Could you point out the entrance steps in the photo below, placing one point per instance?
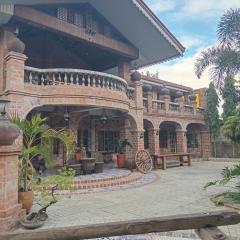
(109, 178)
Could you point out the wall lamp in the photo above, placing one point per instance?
(157, 133)
(141, 135)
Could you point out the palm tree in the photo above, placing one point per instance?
(225, 57)
(37, 140)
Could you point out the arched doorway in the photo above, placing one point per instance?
(149, 137)
(168, 137)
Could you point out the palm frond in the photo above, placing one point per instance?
(229, 29)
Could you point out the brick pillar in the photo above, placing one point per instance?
(10, 210)
(206, 145)
(138, 95)
(181, 141)
(124, 69)
(14, 68)
(149, 101)
(154, 141)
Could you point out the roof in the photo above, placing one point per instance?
(154, 41)
(156, 81)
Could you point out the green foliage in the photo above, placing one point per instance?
(228, 173)
(37, 140)
(231, 127)
(45, 186)
(230, 98)
(224, 58)
(121, 146)
(212, 116)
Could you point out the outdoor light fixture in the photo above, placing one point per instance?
(141, 135)
(66, 115)
(157, 133)
(3, 102)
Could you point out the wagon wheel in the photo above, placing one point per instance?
(143, 161)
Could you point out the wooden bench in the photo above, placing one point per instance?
(164, 157)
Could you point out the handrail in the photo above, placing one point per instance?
(200, 221)
(55, 76)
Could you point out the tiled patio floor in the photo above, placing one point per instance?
(177, 191)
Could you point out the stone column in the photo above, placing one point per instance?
(14, 68)
(138, 95)
(154, 141)
(181, 140)
(206, 145)
(10, 210)
(149, 101)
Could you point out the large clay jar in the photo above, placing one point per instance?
(13, 43)
(136, 76)
(26, 199)
(9, 132)
(120, 160)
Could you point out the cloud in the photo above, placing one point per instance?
(162, 6)
(193, 9)
(181, 72)
(191, 41)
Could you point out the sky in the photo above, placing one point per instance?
(194, 24)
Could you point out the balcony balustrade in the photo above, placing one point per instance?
(77, 77)
(175, 107)
(188, 108)
(158, 105)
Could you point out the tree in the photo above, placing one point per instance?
(230, 98)
(225, 57)
(212, 115)
(231, 128)
(37, 140)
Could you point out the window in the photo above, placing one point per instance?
(146, 139)
(107, 140)
(192, 140)
(163, 138)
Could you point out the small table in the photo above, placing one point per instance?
(164, 159)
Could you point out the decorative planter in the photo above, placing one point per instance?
(78, 155)
(34, 220)
(26, 199)
(9, 132)
(147, 87)
(165, 91)
(192, 98)
(120, 160)
(136, 76)
(88, 165)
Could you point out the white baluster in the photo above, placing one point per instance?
(77, 79)
(54, 78)
(94, 81)
(71, 79)
(30, 77)
(88, 80)
(65, 78)
(42, 80)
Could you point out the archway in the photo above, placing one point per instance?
(168, 137)
(149, 136)
(198, 141)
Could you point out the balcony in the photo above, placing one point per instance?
(86, 87)
(167, 108)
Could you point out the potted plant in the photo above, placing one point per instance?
(120, 148)
(37, 141)
(45, 197)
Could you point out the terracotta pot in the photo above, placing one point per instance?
(78, 156)
(120, 160)
(26, 199)
(9, 132)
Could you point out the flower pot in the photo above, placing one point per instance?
(120, 160)
(78, 156)
(26, 199)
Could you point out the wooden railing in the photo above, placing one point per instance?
(78, 77)
(188, 108)
(205, 225)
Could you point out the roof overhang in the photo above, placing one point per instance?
(154, 41)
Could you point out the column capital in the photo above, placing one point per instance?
(15, 55)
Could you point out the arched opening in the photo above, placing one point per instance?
(96, 130)
(148, 136)
(194, 139)
(168, 137)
